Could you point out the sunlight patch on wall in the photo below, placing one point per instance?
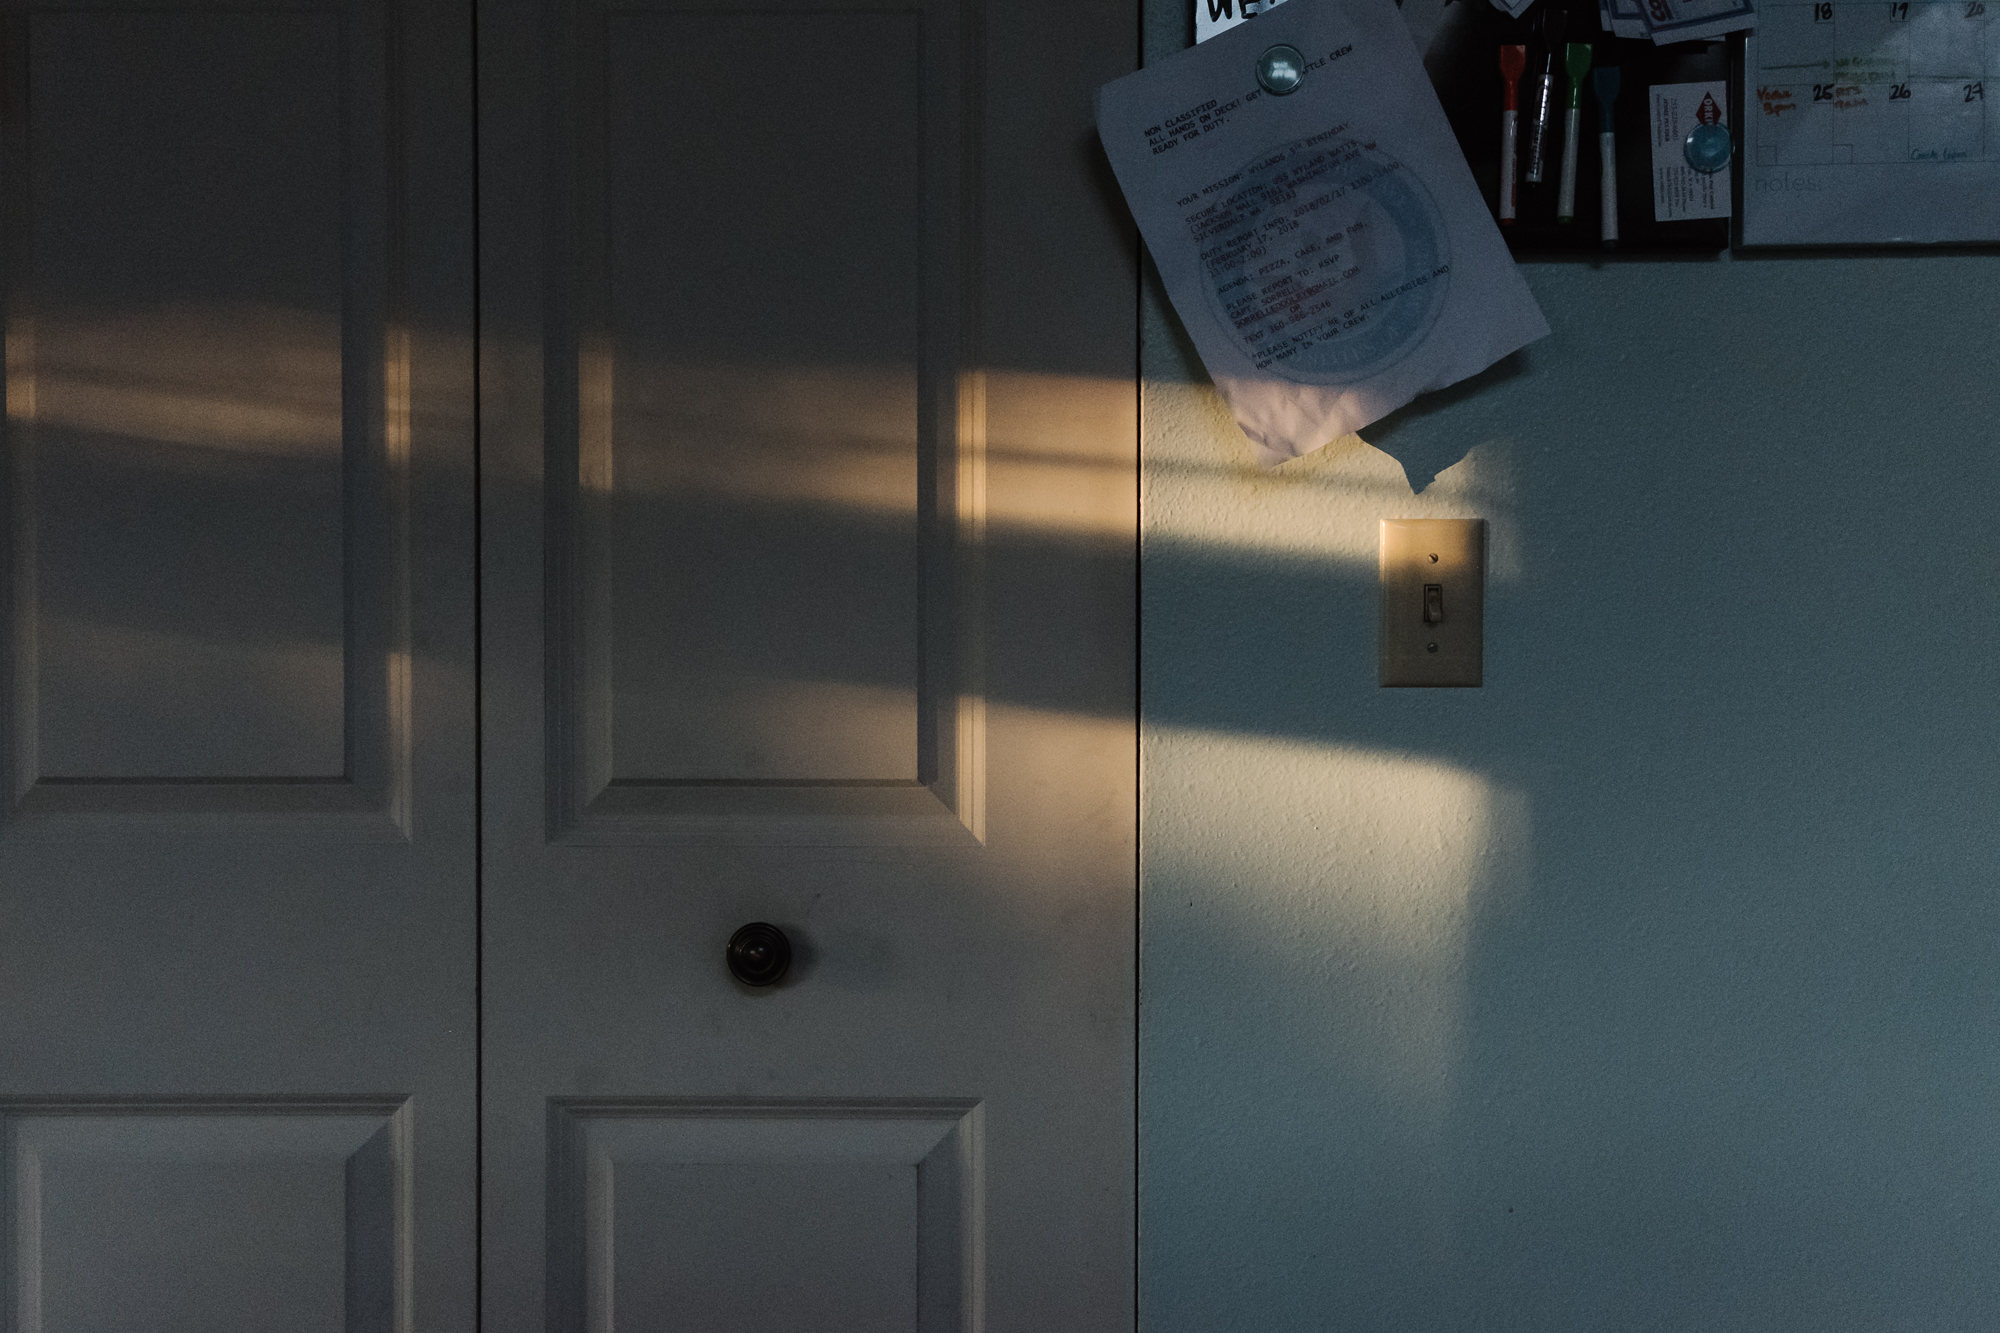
(1323, 507)
(1336, 889)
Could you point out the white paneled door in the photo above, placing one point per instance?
(238, 1014)
(444, 605)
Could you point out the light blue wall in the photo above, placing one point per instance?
(1656, 985)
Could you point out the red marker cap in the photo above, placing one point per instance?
(1513, 62)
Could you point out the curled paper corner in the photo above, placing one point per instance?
(1284, 443)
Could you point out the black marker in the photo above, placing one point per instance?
(1542, 89)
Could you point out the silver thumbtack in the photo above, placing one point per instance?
(1281, 70)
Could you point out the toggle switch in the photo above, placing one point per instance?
(1422, 644)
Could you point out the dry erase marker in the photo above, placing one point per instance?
(1513, 60)
(1577, 64)
(1542, 89)
(1604, 82)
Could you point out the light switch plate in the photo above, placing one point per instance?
(1433, 601)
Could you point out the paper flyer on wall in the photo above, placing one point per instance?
(1325, 247)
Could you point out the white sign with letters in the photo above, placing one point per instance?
(1213, 16)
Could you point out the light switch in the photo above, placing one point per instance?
(1433, 601)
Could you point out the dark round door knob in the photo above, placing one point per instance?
(759, 954)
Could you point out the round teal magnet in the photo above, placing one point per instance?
(1707, 148)
(1281, 70)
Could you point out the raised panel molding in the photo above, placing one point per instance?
(188, 1215)
(180, 643)
(848, 787)
(679, 1215)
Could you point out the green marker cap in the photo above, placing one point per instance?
(1576, 59)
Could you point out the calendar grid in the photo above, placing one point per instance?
(1876, 81)
(1883, 112)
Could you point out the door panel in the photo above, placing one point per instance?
(187, 1217)
(694, 1216)
(237, 848)
(808, 464)
(228, 596)
(201, 465)
(800, 666)
(757, 315)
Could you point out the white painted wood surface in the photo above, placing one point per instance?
(237, 855)
(809, 563)
(806, 485)
(808, 475)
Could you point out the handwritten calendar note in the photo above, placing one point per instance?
(1871, 121)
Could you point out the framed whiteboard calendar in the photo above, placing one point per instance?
(1871, 122)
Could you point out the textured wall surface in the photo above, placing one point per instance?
(1655, 985)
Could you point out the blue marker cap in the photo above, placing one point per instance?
(1604, 82)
